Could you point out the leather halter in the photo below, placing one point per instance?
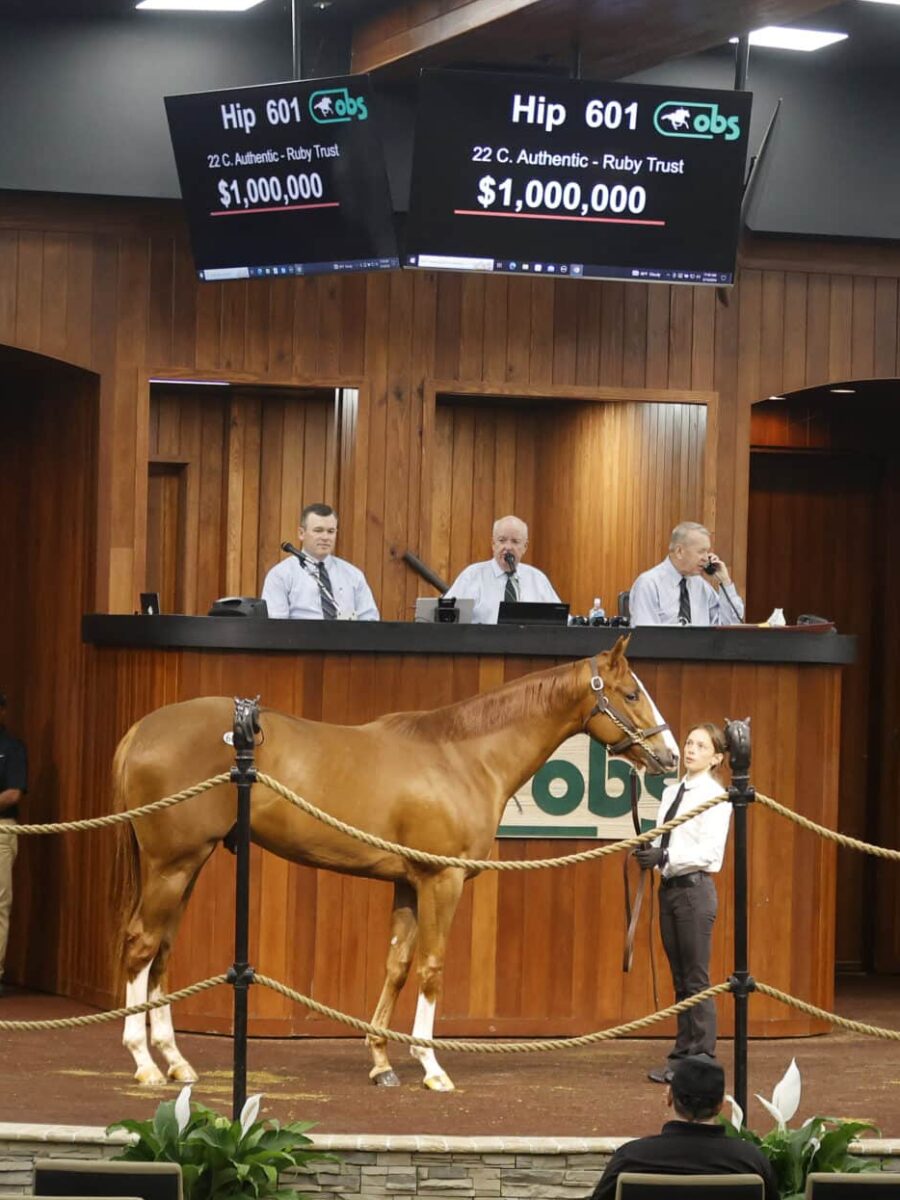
(633, 735)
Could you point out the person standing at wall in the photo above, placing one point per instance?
(688, 858)
(13, 785)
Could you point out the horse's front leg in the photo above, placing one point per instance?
(438, 898)
(400, 953)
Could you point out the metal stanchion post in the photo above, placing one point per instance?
(246, 726)
(737, 736)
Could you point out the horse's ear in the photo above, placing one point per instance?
(618, 651)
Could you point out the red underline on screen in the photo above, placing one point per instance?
(477, 212)
(244, 212)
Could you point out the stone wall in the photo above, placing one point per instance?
(389, 1168)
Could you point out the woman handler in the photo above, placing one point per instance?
(687, 858)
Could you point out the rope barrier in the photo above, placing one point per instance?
(892, 1035)
(115, 1014)
(849, 843)
(481, 864)
(531, 1047)
(444, 860)
(117, 818)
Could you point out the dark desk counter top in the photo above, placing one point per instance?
(242, 634)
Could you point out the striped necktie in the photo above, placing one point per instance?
(684, 603)
(326, 593)
(509, 593)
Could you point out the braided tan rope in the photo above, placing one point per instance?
(892, 1035)
(117, 818)
(545, 1044)
(830, 835)
(115, 1014)
(482, 864)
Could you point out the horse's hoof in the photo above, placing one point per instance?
(439, 1083)
(182, 1072)
(150, 1076)
(386, 1078)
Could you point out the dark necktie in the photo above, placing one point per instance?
(509, 593)
(673, 812)
(684, 603)
(326, 595)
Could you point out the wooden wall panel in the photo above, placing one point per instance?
(547, 944)
(230, 470)
(599, 484)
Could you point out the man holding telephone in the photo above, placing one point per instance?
(691, 586)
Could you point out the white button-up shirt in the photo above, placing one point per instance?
(485, 583)
(656, 594)
(697, 845)
(292, 590)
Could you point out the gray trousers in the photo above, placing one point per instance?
(686, 919)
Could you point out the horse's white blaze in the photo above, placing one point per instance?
(668, 736)
(423, 1027)
(162, 1031)
(134, 1037)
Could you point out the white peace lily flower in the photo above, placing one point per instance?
(250, 1112)
(183, 1108)
(737, 1113)
(785, 1098)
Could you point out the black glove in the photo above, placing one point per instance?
(649, 856)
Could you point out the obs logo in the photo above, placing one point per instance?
(333, 105)
(692, 119)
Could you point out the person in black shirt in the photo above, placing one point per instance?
(695, 1143)
(13, 784)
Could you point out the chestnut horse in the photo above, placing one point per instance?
(437, 781)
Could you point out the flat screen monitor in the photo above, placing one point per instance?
(575, 178)
(283, 179)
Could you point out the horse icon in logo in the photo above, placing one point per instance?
(324, 106)
(679, 119)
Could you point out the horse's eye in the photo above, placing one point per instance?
(631, 697)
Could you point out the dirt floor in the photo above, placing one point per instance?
(84, 1078)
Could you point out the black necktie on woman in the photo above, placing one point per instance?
(672, 812)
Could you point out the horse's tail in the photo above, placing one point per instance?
(126, 875)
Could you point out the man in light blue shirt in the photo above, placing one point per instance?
(503, 577)
(314, 585)
(682, 590)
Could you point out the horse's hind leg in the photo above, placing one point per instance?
(400, 953)
(438, 898)
(148, 940)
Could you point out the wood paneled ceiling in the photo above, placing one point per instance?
(613, 37)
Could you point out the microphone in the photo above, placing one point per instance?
(290, 548)
(510, 559)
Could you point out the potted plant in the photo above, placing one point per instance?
(222, 1159)
(819, 1144)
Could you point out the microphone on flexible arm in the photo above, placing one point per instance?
(510, 559)
(305, 561)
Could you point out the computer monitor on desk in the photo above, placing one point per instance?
(527, 612)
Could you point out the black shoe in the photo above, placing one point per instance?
(660, 1075)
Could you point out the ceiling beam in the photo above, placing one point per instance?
(614, 37)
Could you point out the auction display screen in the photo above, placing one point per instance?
(576, 178)
(283, 179)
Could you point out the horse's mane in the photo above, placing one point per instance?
(529, 696)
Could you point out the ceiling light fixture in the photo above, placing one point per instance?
(198, 5)
(767, 397)
(842, 391)
(779, 37)
(895, 2)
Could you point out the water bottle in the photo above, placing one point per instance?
(596, 611)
